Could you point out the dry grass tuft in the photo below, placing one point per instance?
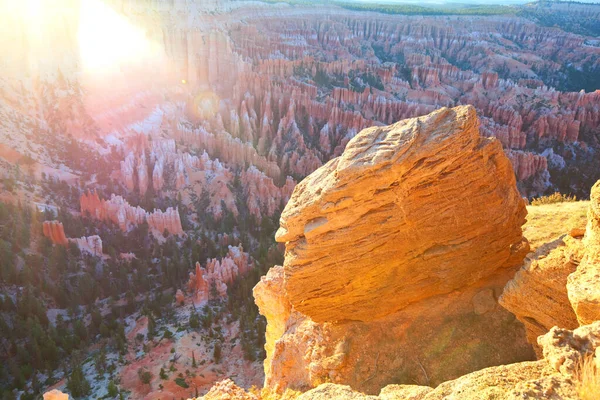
(588, 379)
(553, 199)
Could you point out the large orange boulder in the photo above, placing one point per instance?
(396, 253)
(559, 285)
(409, 211)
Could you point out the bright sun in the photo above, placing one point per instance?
(108, 41)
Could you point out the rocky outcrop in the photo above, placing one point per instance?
(554, 376)
(558, 285)
(55, 395)
(227, 390)
(89, 244)
(400, 194)
(537, 294)
(557, 375)
(119, 211)
(55, 231)
(582, 285)
(218, 274)
(269, 295)
(421, 218)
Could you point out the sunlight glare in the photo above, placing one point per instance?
(108, 41)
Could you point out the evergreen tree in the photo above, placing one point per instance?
(77, 384)
(112, 389)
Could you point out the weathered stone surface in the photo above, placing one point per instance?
(564, 349)
(420, 208)
(559, 285)
(227, 390)
(537, 294)
(583, 285)
(328, 391)
(269, 296)
(55, 395)
(592, 235)
(527, 380)
(394, 237)
(552, 377)
(429, 342)
(404, 392)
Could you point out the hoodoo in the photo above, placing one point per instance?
(390, 250)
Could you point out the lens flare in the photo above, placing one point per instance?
(205, 105)
(109, 42)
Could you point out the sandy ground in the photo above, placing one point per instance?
(548, 222)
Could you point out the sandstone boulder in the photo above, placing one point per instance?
(583, 285)
(396, 254)
(409, 211)
(559, 285)
(537, 294)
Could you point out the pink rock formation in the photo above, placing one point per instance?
(526, 164)
(89, 244)
(119, 211)
(55, 231)
(198, 285)
(219, 273)
(262, 196)
(179, 297)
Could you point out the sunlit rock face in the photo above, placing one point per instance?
(55, 395)
(394, 251)
(559, 286)
(428, 189)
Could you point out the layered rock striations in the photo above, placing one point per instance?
(427, 189)
(397, 250)
(582, 284)
(558, 286)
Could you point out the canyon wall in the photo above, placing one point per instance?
(396, 249)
